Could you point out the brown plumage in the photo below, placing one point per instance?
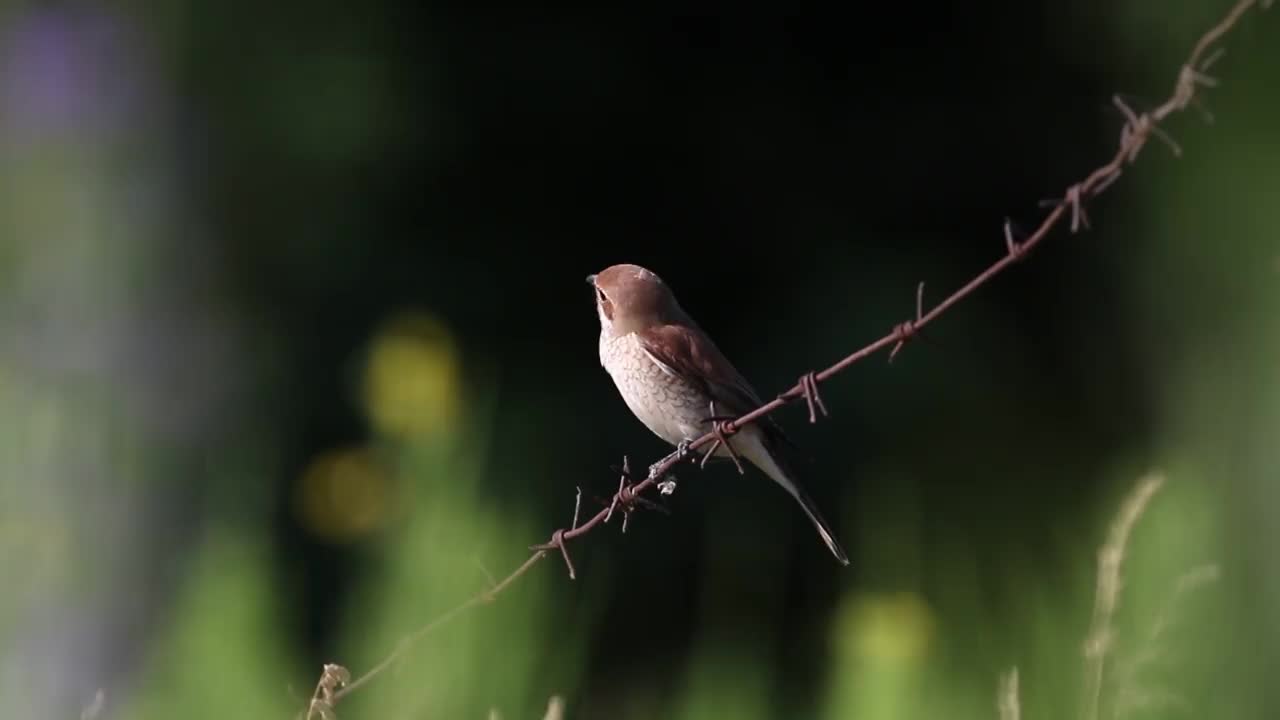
(668, 371)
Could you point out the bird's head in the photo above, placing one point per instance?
(629, 297)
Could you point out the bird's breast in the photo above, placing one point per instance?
(670, 406)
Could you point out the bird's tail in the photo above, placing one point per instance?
(772, 464)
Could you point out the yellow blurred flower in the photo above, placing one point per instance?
(343, 494)
(893, 628)
(412, 378)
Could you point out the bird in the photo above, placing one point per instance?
(677, 382)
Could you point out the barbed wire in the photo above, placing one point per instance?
(335, 683)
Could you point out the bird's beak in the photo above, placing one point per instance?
(591, 279)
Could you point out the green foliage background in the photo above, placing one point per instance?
(139, 526)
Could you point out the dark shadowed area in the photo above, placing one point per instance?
(297, 355)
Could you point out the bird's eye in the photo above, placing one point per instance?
(605, 306)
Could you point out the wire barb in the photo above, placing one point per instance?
(326, 695)
(1073, 198)
(626, 499)
(623, 489)
(1214, 57)
(1079, 218)
(722, 430)
(488, 576)
(904, 331)
(809, 391)
(1015, 248)
(622, 486)
(1203, 108)
(722, 427)
(557, 541)
(577, 504)
(1136, 129)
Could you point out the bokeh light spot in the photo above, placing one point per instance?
(892, 628)
(343, 494)
(412, 387)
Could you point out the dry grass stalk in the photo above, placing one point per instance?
(1107, 592)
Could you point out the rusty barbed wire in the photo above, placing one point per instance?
(1137, 130)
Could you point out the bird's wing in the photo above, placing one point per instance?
(687, 353)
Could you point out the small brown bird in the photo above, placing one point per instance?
(675, 380)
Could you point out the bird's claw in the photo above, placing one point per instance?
(682, 449)
(668, 486)
(656, 469)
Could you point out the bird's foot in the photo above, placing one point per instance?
(682, 449)
(656, 468)
(668, 486)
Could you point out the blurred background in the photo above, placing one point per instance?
(297, 355)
